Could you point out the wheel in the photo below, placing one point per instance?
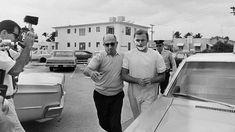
(51, 68)
(42, 60)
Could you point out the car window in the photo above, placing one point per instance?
(211, 80)
(81, 53)
(63, 54)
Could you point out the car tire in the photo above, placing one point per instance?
(51, 68)
(42, 60)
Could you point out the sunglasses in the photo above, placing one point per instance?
(158, 45)
(107, 44)
(16, 35)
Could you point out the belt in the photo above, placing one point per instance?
(9, 96)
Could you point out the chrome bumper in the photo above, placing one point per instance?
(54, 111)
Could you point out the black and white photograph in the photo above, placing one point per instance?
(117, 66)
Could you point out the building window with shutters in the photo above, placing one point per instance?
(109, 30)
(89, 44)
(97, 44)
(68, 44)
(82, 31)
(68, 31)
(97, 29)
(129, 46)
(128, 30)
(89, 29)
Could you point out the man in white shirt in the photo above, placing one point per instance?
(143, 68)
(10, 30)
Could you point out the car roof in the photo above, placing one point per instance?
(211, 57)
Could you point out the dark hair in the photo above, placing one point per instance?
(140, 32)
(9, 26)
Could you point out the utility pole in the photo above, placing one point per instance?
(233, 8)
(151, 31)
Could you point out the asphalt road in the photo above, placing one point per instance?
(79, 114)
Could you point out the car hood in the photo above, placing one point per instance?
(180, 115)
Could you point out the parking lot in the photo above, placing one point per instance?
(79, 114)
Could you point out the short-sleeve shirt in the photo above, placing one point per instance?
(143, 65)
(168, 58)
(6, 63)
(110, 82)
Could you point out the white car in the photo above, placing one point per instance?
(40, 96)
(199, 98)
(62, 59)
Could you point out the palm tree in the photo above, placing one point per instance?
(198, 35)
(177, 34)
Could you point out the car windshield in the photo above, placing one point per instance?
(210, 80)
(63, 54)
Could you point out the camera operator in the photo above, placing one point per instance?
(10, 30)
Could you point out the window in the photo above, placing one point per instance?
(180, 47)
(97, 29)
(128, 30)
(97, 44)
(109, 30)
(82, 46)
(68, 44)
(68, 31)
(75, 30)
(75, 44)
(197, 48)
(56, 33)
(129, 46)
(89, 44)
(89, 29)
(82, 31)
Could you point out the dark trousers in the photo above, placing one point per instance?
(164, 84)
(109, 111)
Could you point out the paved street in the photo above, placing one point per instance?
(79, 114)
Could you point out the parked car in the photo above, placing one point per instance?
(40, 55)
(179, 56)
(62, 59)
(93, 54)
(199, 98)
(40, 96)
(82, 56)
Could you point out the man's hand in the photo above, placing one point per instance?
(29, 39)
(95, 76)
(141, 82)
(147, 81)
(4, 107)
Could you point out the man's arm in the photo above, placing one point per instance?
(173, 63)
(95, 75)
(126, 77)
(157, 79)
(23, 59)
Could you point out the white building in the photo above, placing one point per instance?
(90, 36)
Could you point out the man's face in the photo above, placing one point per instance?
(141, 42)
(11, 36)
(110, 44)
(159, 47)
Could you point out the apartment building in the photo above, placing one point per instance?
(89, 36)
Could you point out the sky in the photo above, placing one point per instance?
(208, 17)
